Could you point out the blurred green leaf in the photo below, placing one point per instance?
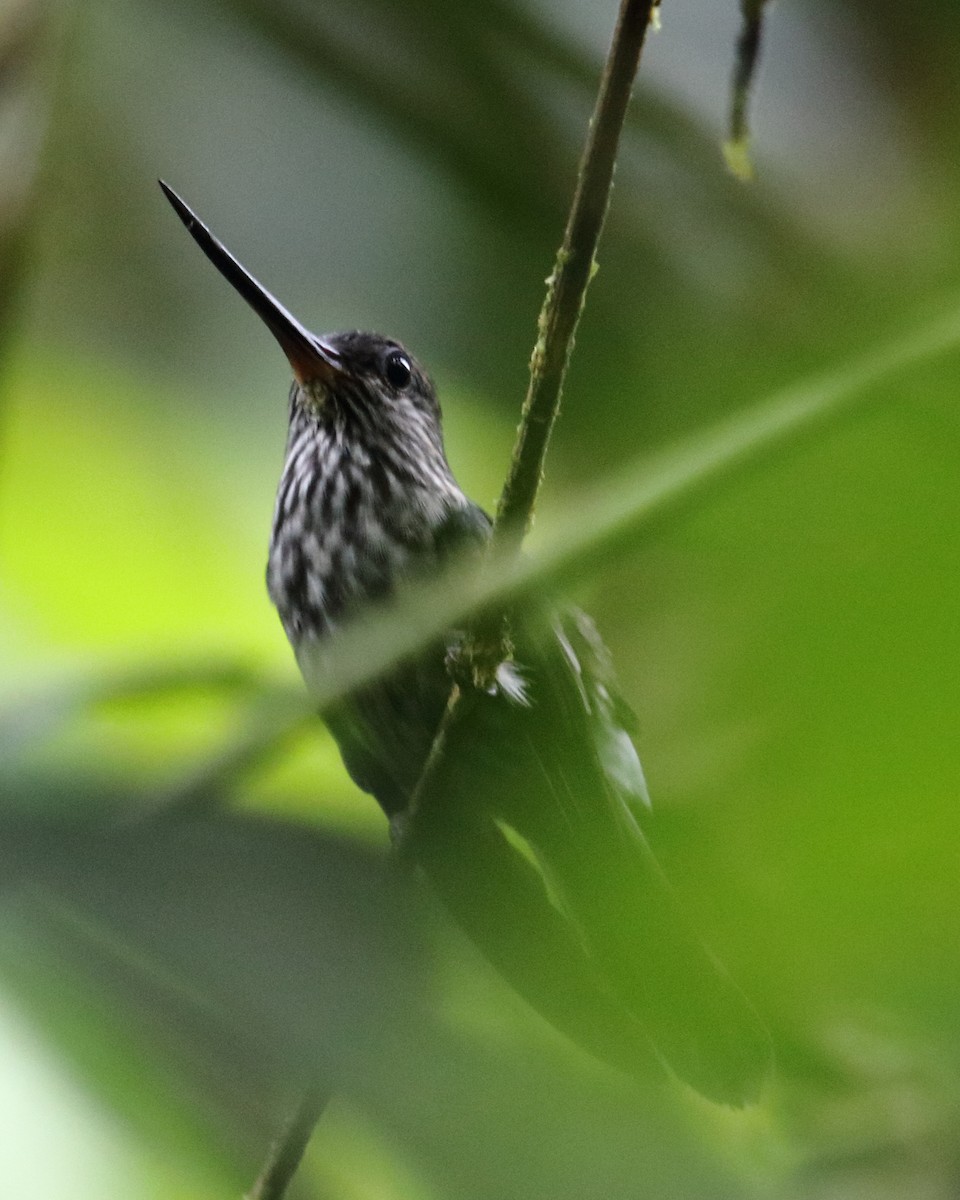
(142, 885)
(180, 925)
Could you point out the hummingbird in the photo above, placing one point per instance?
(537, 847)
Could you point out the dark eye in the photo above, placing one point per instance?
(397, 369)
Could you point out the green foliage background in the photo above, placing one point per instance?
(790, 639)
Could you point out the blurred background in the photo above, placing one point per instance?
(790, 641)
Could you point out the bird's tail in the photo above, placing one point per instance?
(633, 927)
(575, 911)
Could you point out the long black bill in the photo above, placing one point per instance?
(310, 358)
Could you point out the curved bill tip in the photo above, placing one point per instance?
(310, 357)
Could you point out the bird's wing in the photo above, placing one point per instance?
(464, 526)
(610, 720)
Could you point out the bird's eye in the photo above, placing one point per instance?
(397, 369)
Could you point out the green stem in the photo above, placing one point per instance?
(288, 1149)
(572, 273)
(746, 61)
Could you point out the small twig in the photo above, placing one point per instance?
(572, 273)
(737, 147)
(288, 1149)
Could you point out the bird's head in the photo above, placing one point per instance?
(363, 383)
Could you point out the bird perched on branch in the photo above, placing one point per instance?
(531, 831)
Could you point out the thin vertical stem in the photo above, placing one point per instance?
(572, 273)
(289, 1147)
